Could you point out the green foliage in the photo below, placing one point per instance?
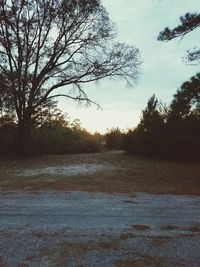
(50, 44)
(152, 119)
(55, 134)
(182, 127)
(115, 139)
(171, 132)
(188, 23)
(60, 136)
(7, 134)
(147, 136)
(186, 102)
(7, 139)
(184, 119)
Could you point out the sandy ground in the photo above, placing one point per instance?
(84, 229)
(98, 210)
(104, 172)
(69, 170)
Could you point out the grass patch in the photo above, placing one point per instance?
(126, 175)
(140, 261)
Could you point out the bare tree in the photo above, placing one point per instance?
(50, 44)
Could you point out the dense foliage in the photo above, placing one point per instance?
(115, 139)
(170, 132)
(54, 134)
(49, 45)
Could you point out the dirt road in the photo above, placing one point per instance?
(68, 229)
(111, 210)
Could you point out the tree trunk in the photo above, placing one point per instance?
(23, 135)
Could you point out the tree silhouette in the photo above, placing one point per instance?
(147, 137)
(170, 131)
(186, 102)
(188, 23)
(50, 44)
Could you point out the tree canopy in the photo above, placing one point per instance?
(46, 45)
(188, 23)
(186, 102)
(170, 131)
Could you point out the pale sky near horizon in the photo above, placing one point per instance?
(162, 72)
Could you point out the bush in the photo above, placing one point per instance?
(53, 136)
(115, 139)
(167, 133)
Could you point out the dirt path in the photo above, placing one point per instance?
(86, 229)
(99, 210)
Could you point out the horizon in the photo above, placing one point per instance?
(139, 24)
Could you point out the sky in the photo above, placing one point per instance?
(162, 71)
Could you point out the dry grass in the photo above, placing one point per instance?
(2, 263)
(140, 227)
(77, 251)
(158, 241)
(127, 175)
(140, 261)
(126, 236)
(169, 227)
(194, 229)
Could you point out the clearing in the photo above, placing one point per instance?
(103, 172)
(95, 210)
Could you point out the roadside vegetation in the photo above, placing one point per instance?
(170, 132)
(34, 67)
(51, 133)
(50, 49)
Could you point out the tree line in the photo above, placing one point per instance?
(172, 131)
(51, 133)
(169, 131)
(51, 49)
(165, 131)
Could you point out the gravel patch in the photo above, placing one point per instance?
(61, 229)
